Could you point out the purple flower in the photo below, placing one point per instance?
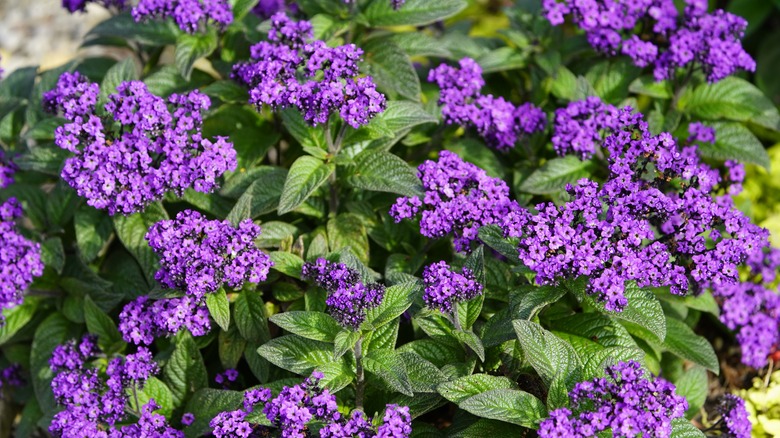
(188, 418)
(289, 70)
(734, 417)
(625, 402)
(81, 5)
(499, 122)
(459, 199)
(143, 320)
(7, 169)
(267, 8)
(198, 255)
(668, 40)
(145, 147)
(445, 287)
(191, 16)
(20, 259)
(348, 297)
(578, 128)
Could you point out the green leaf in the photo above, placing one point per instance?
(466, 387)
(733, 141)
(611, 78)
(397, 299)
(734, 99)
(302, 131)
(502, 59)
(52, 254)
(424, 376)
(648, 86)
(553, 176)
(469, 311)
(153, 32)
(400, 116)
(536, 299)
(381, 171)
(420, 44)
(683, 342)
(100, 324)
(53, 331)
(46, 159)
(219, 308)
(18, 84)
(249, 311)
(347, 231)
(472, 341)
(510, 405)
(287, 263)
(414, 12)
(554, 359)
(132, 230)
(392, 69)
(227, 91)
(389, 367)
(682, 428)
(311, 325)
(344, 341)
(492, 236)
(643, 308)
(260, 198)
(185, 372)
(206, 404)
(231, 347)
(297, 354)
(121, 71)
(155, 389)
(168, 80)
(93, 230)
(191, 47)
(693, 385)
(16, 318)
(306, 175)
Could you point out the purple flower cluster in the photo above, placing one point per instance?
(651, 32)
(143, 148)
(445, 287)
(658, 219)
(752, 308)
(459, 199)
(348, 297)
(499, 122)
(7, 170)
(198, 255)
(330, 81)
(20, 259)
(267, 8)
(81, 5)
(625, 402)
(95, 401)
(734, 417)
(10, 376)
(298, 405)
(224, 379)
(143, 320)
(578, 127)
(190, 15)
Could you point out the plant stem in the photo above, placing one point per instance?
(360, 381)
(333, 149)
(455, 319)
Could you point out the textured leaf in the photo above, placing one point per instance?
(231, 347)
(287, 263)
(420, 44)
(733, 141)
(52, 253)
(414, 12)
(206, 404)
(510, 405)
(683, 342)
(121, 71)
(424, 376)
(384, 172)
(392, 69)
(227, 91)
(344, 341)
(154, 388)
(647, 86)
(93, 229)
(153, 32)
(251, 322)
(132, 230)
(397, 299)
(219, 308)
(16, 318)
(693, 385)
(311, 325)
(185, 371)
(466, 387)
(347, 231)
(100, 324)
(297, 354)
(472, 341)
(191, 47)
(302, 131)
(731, 98)
(536, 299)
(553, 176)
(682, 428)
(306, 175)
(53, 331)
(388, 366)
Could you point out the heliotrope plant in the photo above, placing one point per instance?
(380, 218)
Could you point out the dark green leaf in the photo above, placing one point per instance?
(413, 13)
(397, 299)
(344, 341)
(249, 311)
(693, 385)
(185, 372)
(553, 176)
(191, 47)
(100, 324)
(472, 341)
(206, 404)
(733, 141)
(121, 71)
(132, 230)
(16, 318)
(311, 325)
(347, 231)
(153, 32)
(306, 175)
(219, 308)
(93, 229)
(297, 354)
(389, 367)
(53, 331)
(287, 263)
(52, 254)
(510, 405)
(227, 91)
(392, 69)
(466, 387)
(683, 342)
(731, 98)
(682, 428)
(384, 172)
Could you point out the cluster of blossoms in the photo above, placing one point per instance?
(7, 170)
(459, 199)
(143, 147)
(752, 308)
(142, 320)
(652, 32)
(190, 15)
(11, 376)
(268, 8)
(348, 297)
(658, 219)
(20, 259)
(296, 406)
(445, 287)
(81, 5)
(330, 76)
(499, 122)
(625, 402)
(579, 126)
(95, 400)
(224, 379)
(734, 417)
(198, 255)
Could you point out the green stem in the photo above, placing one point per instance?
(333, 149)
(360, 379)
(455, 319)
